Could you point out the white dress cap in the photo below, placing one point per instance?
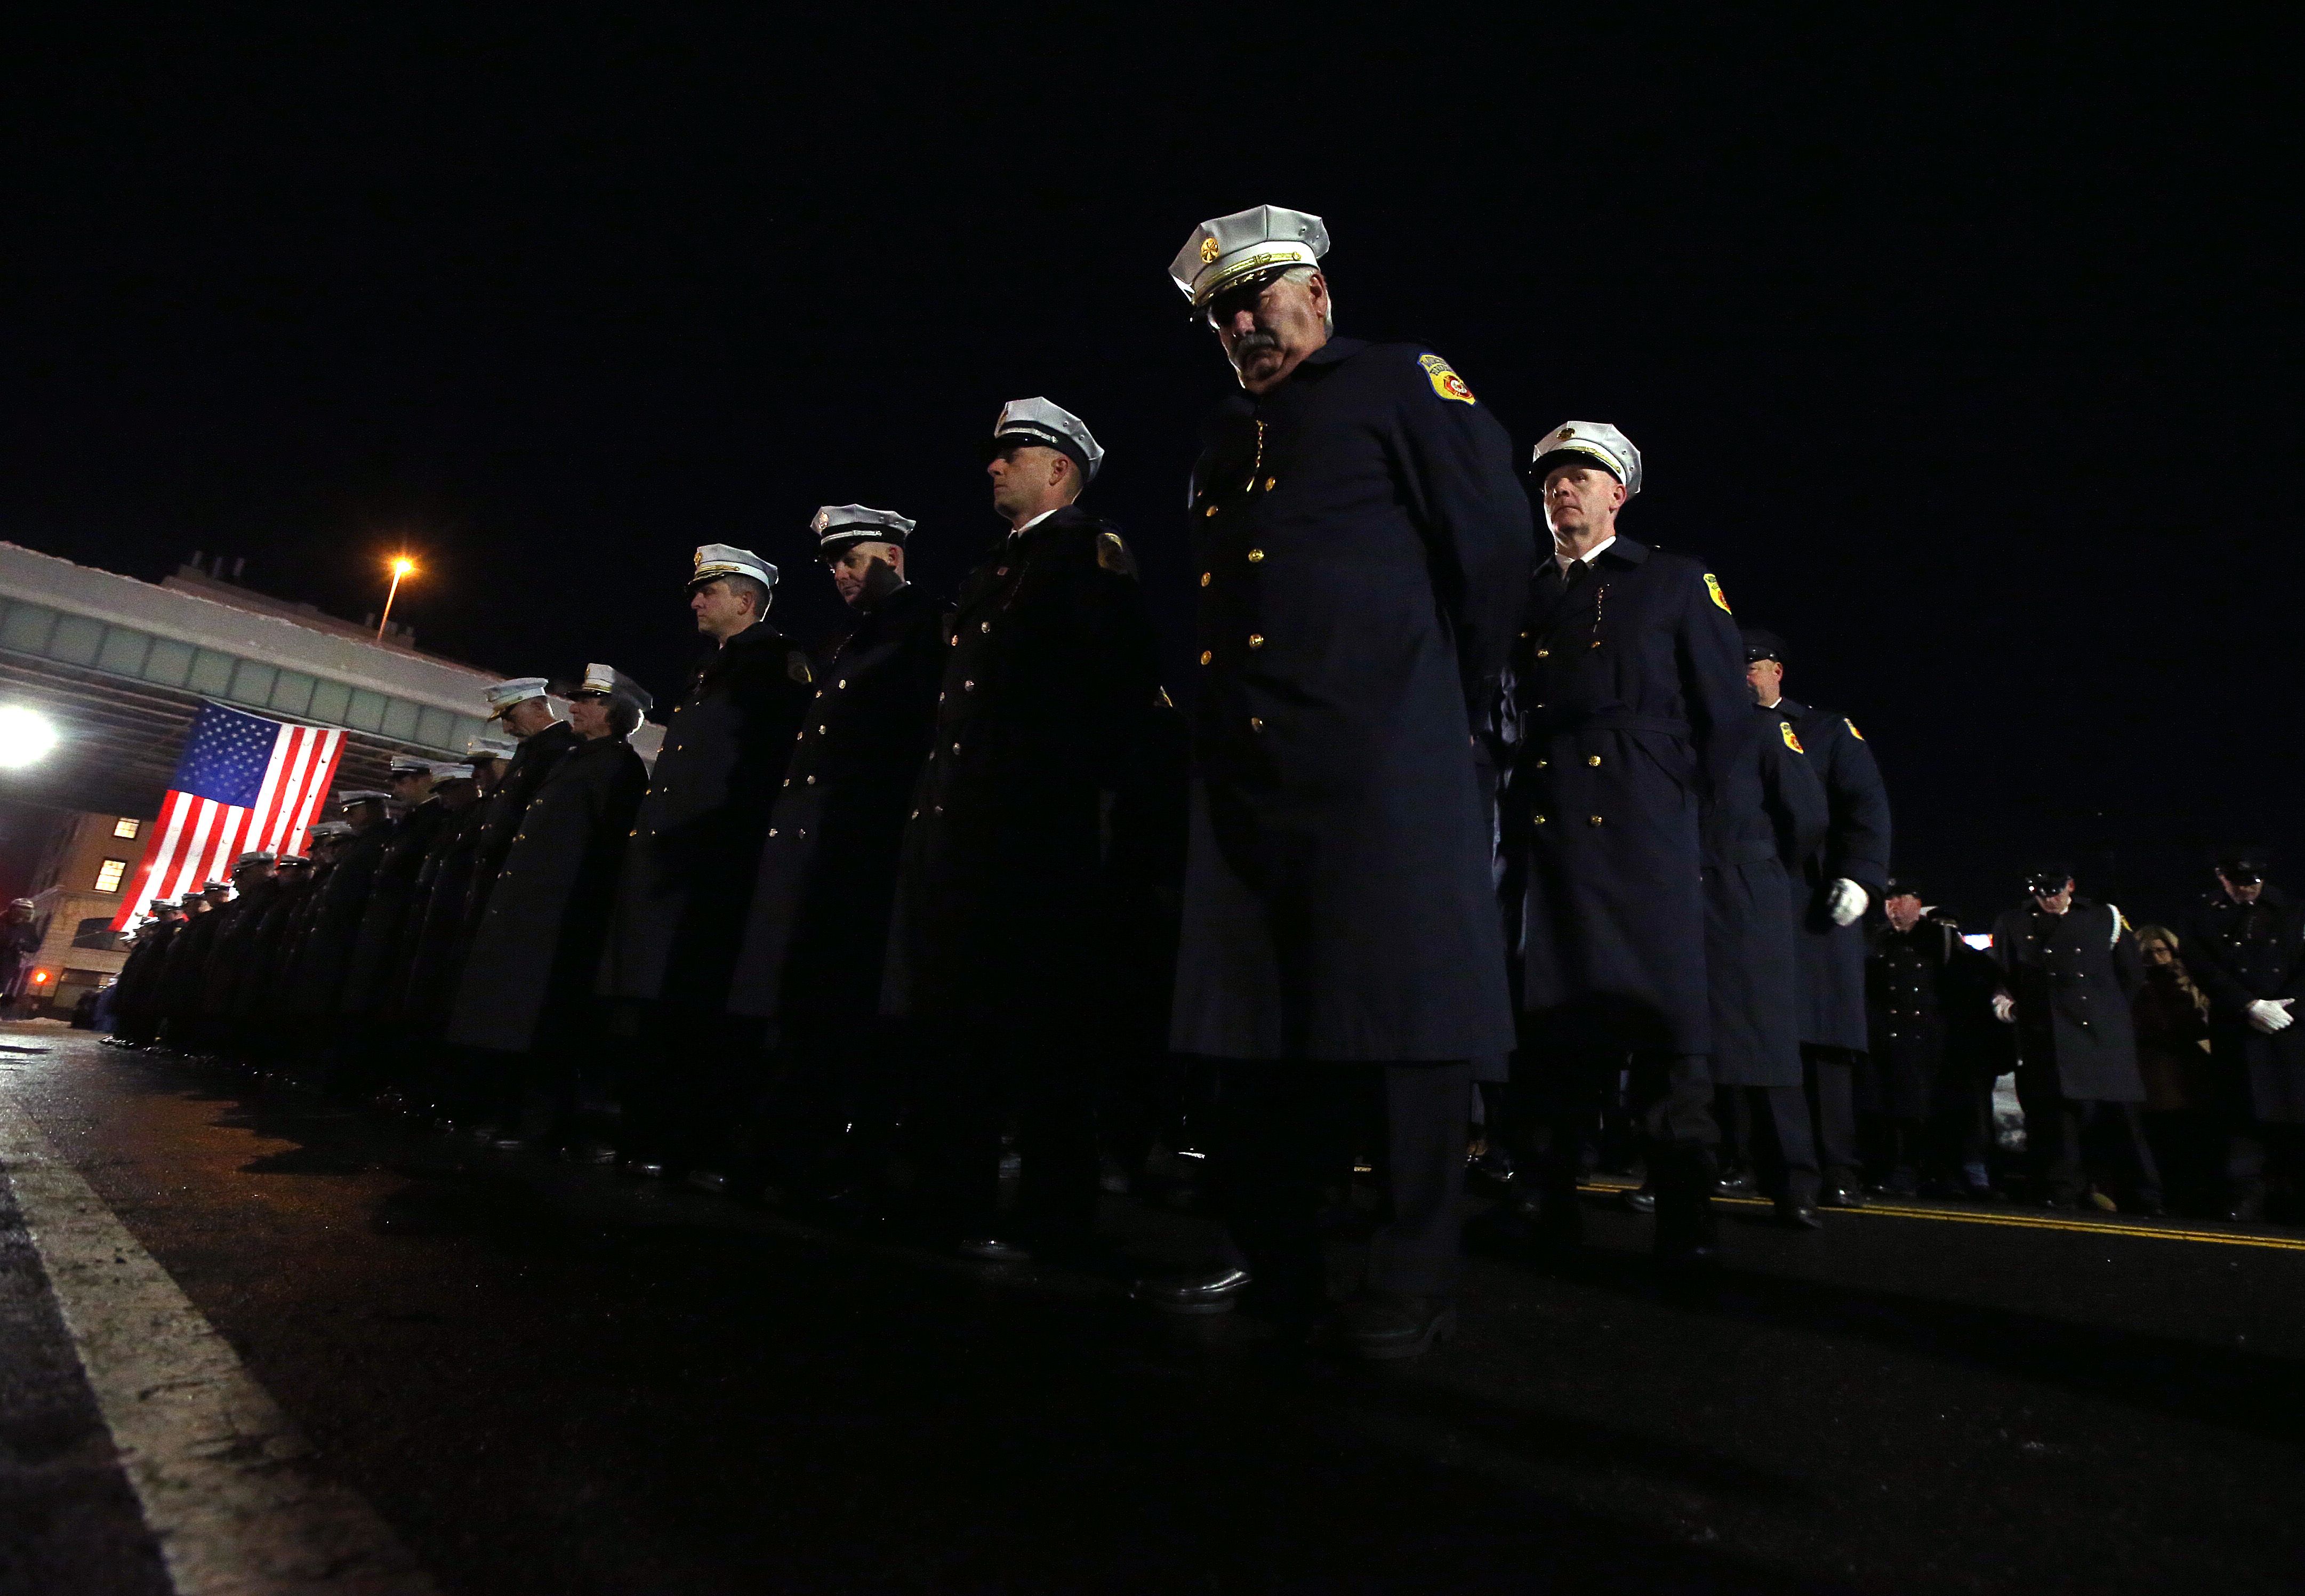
(726, 559)
(483, 745)
(332, 828)
(452, 773)
(838, 525)
(520, 689)
(1598, 442)
(608, 682)
(262, 856)
(1052, 426)
(408, 765)
(366, 795)
(1263, 242)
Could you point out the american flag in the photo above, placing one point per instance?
(245, 782)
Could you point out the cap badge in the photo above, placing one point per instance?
(1712, 586)
(1210, 249)
(1785, 730)
(1445, 381)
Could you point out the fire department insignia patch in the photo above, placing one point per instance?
(1859, 736)
(1785, 730)
(1113, 554)
(1712, 586)
(1445, 381)
(1210, 249)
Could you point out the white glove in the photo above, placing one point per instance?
(1845, 901)
(2004, 1008)
(2272, 1014)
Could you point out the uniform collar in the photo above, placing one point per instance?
(1018, 532)
(1333, 351)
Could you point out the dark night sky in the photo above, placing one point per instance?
(1963, 356)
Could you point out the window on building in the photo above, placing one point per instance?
(96, 932)
(125, 826)
(108, 875)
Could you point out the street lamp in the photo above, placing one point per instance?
(26, 737)
(401, 566)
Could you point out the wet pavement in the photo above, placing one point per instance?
(546, 1378)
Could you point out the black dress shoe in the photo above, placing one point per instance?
(643, 1169)
(1210, 1292)
(708, 1180)
(1382, 1327)
(1734, 1183)
(1840, 1197)
(1797, 1216)
(1641, 1200)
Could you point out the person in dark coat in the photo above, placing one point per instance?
(183, 978)
(20, 934)
(432, 932)
(2245, 943)
(1845, 877)
(525, 995)
(254, 886)
(256, 992)
(2072, 969)
(1933, 1047)
(686, 884)
(1050, 681)
(815, 945)
(525, 711)
(1362, 548)
(377, 1052)
(138, 1002)
(2172, 1011)
(324, 952)
(1633, 716)
(1767, 818)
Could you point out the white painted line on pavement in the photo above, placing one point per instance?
(213, 1459)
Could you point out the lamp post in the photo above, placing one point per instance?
(401, 566)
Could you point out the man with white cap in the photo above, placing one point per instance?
(1363, 551)
(523, 708)
(525, 996)
(254, 886)
(686, 879)
(1047, 713)
(815, 943)
(1632, 711)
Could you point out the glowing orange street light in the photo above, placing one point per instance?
(401, 566)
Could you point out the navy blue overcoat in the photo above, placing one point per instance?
(1364, 551)
(1857, 848)
(1633, 711)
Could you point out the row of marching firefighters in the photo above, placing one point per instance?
(1448, 824)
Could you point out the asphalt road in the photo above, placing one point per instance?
(504, 1375)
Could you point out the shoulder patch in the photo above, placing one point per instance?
(1859, 736)
(797, 667)
(1785, 730)
(1712, 586)
(1445, 381)
(1113, 554)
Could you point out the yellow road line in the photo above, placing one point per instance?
(2022, 1222)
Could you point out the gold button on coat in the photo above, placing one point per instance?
(1595, 820)
(1593, 759)
(1256, 722)
(1539, 817)
(1256, 555)
(1256, 640)
(1207, 654)
(1206, 577)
